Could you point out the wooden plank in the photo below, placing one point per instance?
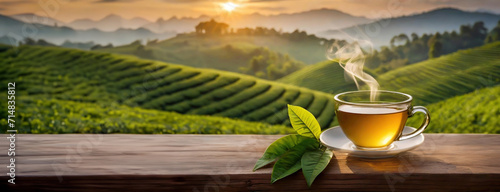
(80, 162)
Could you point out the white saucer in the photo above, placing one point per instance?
(334, 138)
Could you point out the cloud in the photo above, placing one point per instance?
(274, 8)
(184, 1)
(113, 1)
(14, 2)
(267, 8)
(240, 1)
(264, 0)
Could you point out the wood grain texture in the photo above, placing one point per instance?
(126, 162)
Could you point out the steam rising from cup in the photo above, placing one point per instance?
(351, 57)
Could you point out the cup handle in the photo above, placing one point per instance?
(422, 127)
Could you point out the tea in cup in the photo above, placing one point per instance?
(376, 124)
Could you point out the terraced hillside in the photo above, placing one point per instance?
(326, 76)
(476, 112)
(56, 116)
(428, 81)
(74, 75)
(200, 51)
(264, 56)
(222, 53)
(451, 75)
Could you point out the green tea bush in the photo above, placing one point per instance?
(214, 95)
(228, 103)
(153, 75)
(159, 97)
(86, 77)
(451, 75)
(327, 117)
(303, 100)
(254, 103)
(317, 106)
(268, 110)
(55, 116)
(476, 112)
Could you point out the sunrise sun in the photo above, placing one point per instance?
(229, 6)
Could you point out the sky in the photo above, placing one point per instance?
(69, 10)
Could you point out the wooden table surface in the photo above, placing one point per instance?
(127, 162)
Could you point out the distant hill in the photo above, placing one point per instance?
(90, 77)
(14, 28)
(439, 20)
(110, 23)
(326, 76)
(227, 52)
(312, 21)
(33, 18)
(178, 25)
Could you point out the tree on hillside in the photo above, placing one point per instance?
(433, 39)
(436, 49)
(465, 31)
(401, 39)
(414, 37)
(152, 42)
(479, 31)
(494, 35)
(403, 51)
(245, 31)
(142, 52)
(386, 55)
(270, 65)
(40, 42)
(260, 31)
(99, 46)
(298, 35)
(257, 63)
(211, 28)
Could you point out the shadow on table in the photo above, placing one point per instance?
(405, 163)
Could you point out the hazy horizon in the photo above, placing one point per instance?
(70, 10)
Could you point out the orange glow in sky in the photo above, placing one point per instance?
(69, 10)
(229, 6)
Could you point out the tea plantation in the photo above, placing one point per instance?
(428, 81)
(451, 75)
(60, 74)
(325, 76)
(56, 116)
(476, 112)
(446, 85)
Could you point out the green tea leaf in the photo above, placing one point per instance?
(304, 122)
(278, 148)
(284, 169)
(314, 162)
(289, 162)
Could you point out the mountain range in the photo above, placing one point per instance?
(13, 31)
(327, 23)
(111, 22)
(439, 20)
(37, 19)
(179, 25)
(311, 21)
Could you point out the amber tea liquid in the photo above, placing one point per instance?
(371, 127)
